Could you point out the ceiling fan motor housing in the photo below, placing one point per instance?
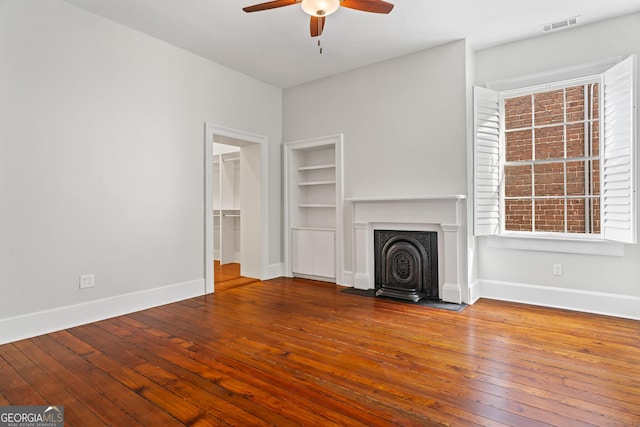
(320, 7)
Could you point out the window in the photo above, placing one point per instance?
(554, 161)
(551, 165)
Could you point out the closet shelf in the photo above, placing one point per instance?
(226, 212)
(317, 183)
(316, 167)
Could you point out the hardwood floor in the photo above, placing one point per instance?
(296, 352)
(227, 276)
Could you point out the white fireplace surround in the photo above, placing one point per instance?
(444, 214)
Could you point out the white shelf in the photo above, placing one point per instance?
(405, 199)
(316, 167)
(317, 183)
(316, 205)
(313, 228)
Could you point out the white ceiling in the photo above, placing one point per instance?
(275, 46)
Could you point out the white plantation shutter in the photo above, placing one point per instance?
(618, 153)
(486, 129)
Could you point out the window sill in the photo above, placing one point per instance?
(549, 244)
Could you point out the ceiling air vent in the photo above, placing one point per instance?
(561, 25)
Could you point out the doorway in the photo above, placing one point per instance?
(251, 215)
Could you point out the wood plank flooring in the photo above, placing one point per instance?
(291, 352)
(227, 276)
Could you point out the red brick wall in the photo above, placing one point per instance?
(543, 185)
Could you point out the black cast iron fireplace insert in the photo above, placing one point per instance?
(406, 264)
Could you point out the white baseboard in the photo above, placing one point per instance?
(317, 278)
(451, 293)
(361, 281)
(274, 270)
(237, 257)
(56, 319)
(474, 292)
(347, 278)
(591, 302)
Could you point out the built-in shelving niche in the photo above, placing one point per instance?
(313, 204)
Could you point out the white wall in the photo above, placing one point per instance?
(403, 122)
(102, 155)
(583, 274)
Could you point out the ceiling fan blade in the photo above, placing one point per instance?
(269, 5)
(375, 6)
(316, 26)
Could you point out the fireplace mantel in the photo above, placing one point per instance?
(444, 214)
(405, 199)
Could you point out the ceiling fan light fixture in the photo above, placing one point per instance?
(320, 7)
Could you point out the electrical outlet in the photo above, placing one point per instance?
(87, 281)
(557, 269)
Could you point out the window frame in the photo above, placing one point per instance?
(488, 151)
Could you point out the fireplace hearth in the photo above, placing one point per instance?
(406, 264)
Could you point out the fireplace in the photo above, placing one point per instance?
(406, 264)
(445, 216)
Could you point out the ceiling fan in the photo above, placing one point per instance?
(319, 9)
